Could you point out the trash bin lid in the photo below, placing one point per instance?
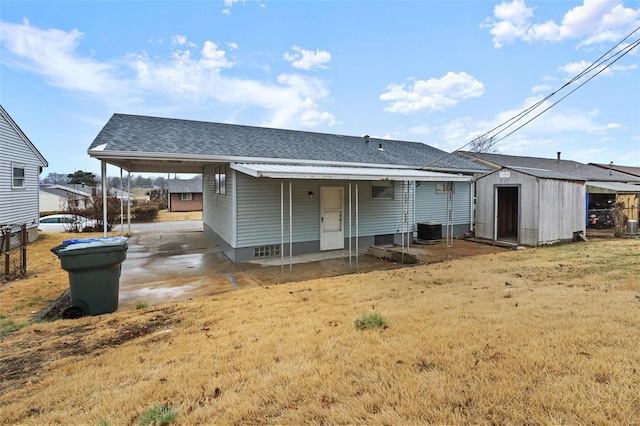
(93, 243)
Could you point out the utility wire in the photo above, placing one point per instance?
(598, 63)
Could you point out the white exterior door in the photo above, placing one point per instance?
(331, 213)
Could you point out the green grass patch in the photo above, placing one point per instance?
(142, 305)
(8, 326)
(370, 321)
(157, 415)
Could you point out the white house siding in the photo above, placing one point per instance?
(432, 207)
(51, 202)
(18, 206)
(259, 210)
(218, 215)
(562, 210)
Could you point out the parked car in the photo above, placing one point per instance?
(66, 223)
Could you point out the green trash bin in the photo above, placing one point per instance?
(94, 267)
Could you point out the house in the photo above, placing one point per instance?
(267, 192)
(62, 198)
(185, 195)
(20, 166)
(528, 206)
(629, 197)
(603, 186)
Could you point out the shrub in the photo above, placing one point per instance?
(145, 213)
(370, 321)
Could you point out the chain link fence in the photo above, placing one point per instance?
(13, 251)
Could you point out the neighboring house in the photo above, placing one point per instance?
(529, 206)
(603, 186)
(20, 166)
(62, 198)
(267, 192)
(185, 195)
(630, 198)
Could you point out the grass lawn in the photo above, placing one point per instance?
(537, 336)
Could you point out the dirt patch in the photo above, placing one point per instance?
(74, 338)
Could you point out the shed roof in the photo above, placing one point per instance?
(568, 168)
(142, 143)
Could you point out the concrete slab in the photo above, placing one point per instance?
(173, 266)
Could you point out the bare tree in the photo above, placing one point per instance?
(482, 144)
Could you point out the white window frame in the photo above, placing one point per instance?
(386, 193)
(220, 180)
(14, 168)
(186, 196)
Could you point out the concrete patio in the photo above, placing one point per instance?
(182, 264)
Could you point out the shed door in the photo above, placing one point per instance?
(331, 212)
(507, 213)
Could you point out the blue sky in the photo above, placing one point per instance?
(438, 72)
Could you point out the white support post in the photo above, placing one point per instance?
(290, 230)
(357, 230)
(104, 197)
(129, 201)
(121, 204)
(282, 230)
(350, 237)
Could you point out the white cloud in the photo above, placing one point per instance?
(433, 94)
(541, 88)
(574, 68)
(229, 4)
(51, 52)
(189, 76)
(594, 21)
(308, 60)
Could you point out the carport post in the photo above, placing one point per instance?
(350, 237)
(290, 230)
(282, 230)
(121, 205)
(129, 203)
(357, 221)
(104, 197)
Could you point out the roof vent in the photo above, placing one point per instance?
(366, 138)
(380, 148)
(559, 156)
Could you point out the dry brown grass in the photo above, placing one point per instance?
(164, 216)
(538, 336)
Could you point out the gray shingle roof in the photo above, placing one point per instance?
(154, 135)
(568, 168)
(184, 186)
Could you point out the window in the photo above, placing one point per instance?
(220, 180)
(186, 196)
(444, 187)
(266, 251)
(18, 176)
(382, 190)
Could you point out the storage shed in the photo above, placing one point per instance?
(529, 206)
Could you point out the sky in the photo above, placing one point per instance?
(437, 72)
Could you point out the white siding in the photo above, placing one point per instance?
(17, 205)
(218, 209)
(432, 207)
(259, 210)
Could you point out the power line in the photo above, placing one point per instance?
(598, 64)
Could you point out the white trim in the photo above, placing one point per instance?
(280, 171)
